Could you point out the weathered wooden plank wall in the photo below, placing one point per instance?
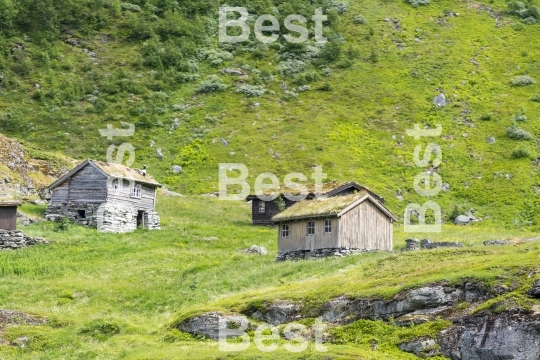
(299, 239)
(88, 185)
(8, 217)
(366, 227)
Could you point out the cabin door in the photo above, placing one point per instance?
(140, 218)
(8, 217)
(310, 242)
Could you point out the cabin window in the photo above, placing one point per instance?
(285, 230)
(136, 191)
(327, 226)
(82, 214)
(115, 186)
(262, 207)
(311, 228)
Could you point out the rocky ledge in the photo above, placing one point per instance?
(511, 334)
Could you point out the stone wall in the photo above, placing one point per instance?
(15, 239)
(319, 253)
(106, 217)
(415, 244)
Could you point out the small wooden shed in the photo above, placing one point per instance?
(323, 226)
(8, 215)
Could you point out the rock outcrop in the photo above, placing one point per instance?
(508, 335)
(208, 324)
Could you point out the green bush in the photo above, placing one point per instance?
(517, 133)
(251, 90)
(211, 85)
(130, 7)
(536, 98)
(522, 80)
(291, 67)
(359, 19)
(521, 152)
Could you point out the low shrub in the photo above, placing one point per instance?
(517, 133)
(522, 80)
(130, 7)
(251, 90)
(211, 85)
(341, 7)
(359, 20)
(522, 152)
(290, 67)
(536, 98)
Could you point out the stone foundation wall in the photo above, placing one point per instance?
(15, 239)
(55, 212)
(106, 217)
(319, 253)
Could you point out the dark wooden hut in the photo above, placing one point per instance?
(262, 211)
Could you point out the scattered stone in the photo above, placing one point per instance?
(491, 140)
(224, 142)
(176, 169)
(159, 153)
(445, 187)
(440, 100)
(211, 238)
(496, 242)
(254, 249)
(211, 195)
(420, 347)
(462, 220)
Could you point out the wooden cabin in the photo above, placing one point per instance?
(325, 226)
(111, 197)
(262, 211)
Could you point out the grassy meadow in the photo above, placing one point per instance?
(110, 296)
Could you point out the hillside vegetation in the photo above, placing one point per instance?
(69, 68)
(120, 296)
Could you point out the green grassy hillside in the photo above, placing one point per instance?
(118, 296)
(346, 107)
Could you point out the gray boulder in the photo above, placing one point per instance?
(420, 347)
(176, 169)
(462, 220)
(491, 140)
(440, 100)
(254, 249)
